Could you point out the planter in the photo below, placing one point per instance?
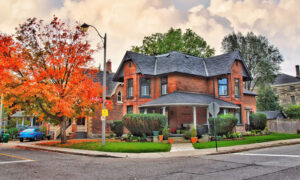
(155, 133)
(161, 138)
(171, 140)
(194, 140)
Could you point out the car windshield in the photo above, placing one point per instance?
(28, 130)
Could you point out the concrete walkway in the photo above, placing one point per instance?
(177, 150)
(182, 147)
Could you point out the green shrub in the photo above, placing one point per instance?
(117, 127)
(293, 111)
(144, 124)
(13, 132)
(193, 131)
(224, 124)
(165, 132)
(43, 129)
(258, 121)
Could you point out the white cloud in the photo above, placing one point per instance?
(128, 21)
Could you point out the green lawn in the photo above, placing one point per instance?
(129, 147)
(247, 140)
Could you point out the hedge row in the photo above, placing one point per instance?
(144, 124)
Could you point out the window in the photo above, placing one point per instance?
(237, 90)
(293, 99)
(292, 88)
(164, 85)
(129, 109)
(129, 88)
(119, 96)
(145, 86)
(237, 114)
(129, 64)
(223, 87)
(236, 63)
(142, 110)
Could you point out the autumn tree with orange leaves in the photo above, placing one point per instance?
(43, 71)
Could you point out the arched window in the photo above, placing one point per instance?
(119, 96)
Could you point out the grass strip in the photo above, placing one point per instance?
(125, 147)
(247, 140)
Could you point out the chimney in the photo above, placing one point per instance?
(297, 71)
(108, 66)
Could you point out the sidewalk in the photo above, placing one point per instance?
(178, 150)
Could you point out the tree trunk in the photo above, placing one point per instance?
(63, 136)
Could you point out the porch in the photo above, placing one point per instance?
(184, 108)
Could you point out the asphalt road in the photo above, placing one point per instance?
(272, 163)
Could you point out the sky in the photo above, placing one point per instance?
(126, 22)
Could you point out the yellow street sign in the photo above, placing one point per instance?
(104, 112)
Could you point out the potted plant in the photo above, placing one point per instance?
(171, 140)
(160, 138)
(155, 133)
(165, 133)
(177, 131)
(194, 137)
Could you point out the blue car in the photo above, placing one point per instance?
(32, 134)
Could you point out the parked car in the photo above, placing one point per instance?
(32, 134)
(21, 128)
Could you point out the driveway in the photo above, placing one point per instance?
(272, 163)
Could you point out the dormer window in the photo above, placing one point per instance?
(223, 87)
(119, 99)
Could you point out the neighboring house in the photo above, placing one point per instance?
(271, 115)
(83, 127)
(287, 88)
(182, 86)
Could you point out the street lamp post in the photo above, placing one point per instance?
(85, 27)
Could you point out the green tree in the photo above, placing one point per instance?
(174, 40)
(262, 59)
(266, 99)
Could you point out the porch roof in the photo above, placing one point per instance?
(20, 114)
(187, 99)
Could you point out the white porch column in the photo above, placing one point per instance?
(164, 111)
(23, 121)
(207, 121)
(194, 117)
(31, 121)
(145, 111)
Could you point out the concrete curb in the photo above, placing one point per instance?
(186, 153)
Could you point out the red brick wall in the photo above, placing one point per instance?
(182, 82)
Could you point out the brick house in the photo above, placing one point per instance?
(91, 126)
(182, 86)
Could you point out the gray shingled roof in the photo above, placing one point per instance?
(111, 85)
(187, 99)
(273, 114)
(285, 78)
(182, 63)
(246, 91)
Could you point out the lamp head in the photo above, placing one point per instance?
(84, 27)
